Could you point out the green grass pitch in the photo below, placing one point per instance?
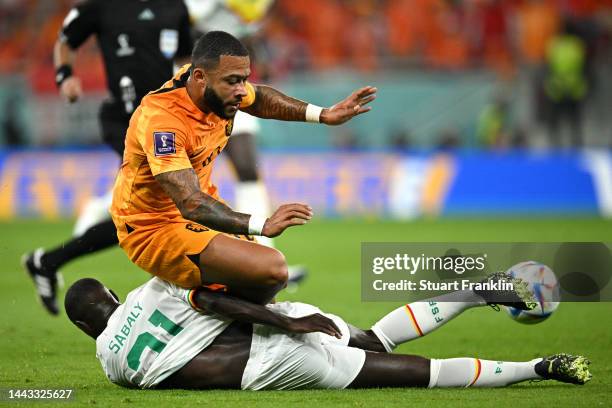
(38, 351)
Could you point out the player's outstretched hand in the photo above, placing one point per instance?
(286, 216)
(350, 107)
(314, 323)
(71, 89)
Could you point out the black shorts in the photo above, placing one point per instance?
(114, 123)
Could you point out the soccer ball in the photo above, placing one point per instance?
(544, 285)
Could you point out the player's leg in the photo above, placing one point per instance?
(189, 255)
(94, 212)
(396, 370)
(420, 318)
(413, 320)
(96, 238)
(417, 319)
(42, 265)
(113, 126)
(251, 271)
(251, 194)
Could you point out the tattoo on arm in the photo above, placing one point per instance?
(195, 205)
(272, 104)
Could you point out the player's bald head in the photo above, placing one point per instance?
(211, 46)
(89, 304)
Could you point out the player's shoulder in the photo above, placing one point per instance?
(154, 288)
(170, 102)
(161, 286)
(154, 285)
(164, 109)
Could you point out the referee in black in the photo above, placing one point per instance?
(140, 41)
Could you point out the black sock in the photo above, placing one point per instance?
(96, 238)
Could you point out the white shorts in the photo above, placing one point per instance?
(286, 361)
(245, 123)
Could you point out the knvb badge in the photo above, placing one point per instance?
(164, 143)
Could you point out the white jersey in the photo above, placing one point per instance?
(153, 334)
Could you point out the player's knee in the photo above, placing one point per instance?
(276, 269)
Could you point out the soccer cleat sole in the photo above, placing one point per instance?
(49, 304)
(579, 370)
(523, 299)
(567, 368)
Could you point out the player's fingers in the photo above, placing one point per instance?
(323, 327)
(330, 323)
(295, 206)
(363, 110)
(336, 328)
(330, 326)
(292, 223)
(330, 330)
(361, 91)
(335, 333)
(300, 208)
(297, 213)
(366, 100)
(365, 91)
(292, 217)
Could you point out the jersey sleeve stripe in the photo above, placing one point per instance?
(192, 302)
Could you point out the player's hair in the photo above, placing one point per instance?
(212, 45)
(83, 292)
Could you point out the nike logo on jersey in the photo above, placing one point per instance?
(146, 14)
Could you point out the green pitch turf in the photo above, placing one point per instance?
(39, 351)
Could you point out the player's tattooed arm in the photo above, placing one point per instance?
(244, 311)
(195, 205)
(272, 104)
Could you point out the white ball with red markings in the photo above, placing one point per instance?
(544, 285)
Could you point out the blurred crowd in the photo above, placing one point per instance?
(362, 34)
(445, 34)
(558, 42)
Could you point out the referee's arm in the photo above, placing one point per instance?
(63, 60)
(80, 22)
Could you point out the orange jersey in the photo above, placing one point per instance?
(167, 132)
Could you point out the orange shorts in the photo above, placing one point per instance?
(163, 249)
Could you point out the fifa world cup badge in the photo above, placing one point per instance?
(164, 143)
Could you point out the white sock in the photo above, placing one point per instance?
(95, 211)
(473, 372)
(419, 318)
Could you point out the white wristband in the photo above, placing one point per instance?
(313, 113)
(256, 224)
